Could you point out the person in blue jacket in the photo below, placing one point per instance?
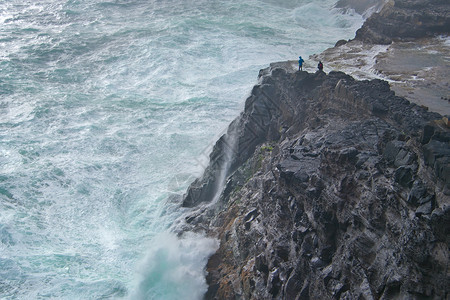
(300, 63)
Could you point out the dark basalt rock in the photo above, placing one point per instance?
(406, 19)
(342, 201)
(340, 43)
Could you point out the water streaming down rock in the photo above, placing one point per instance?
(224, 158)
(224, 169)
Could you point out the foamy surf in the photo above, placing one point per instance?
(174, 267)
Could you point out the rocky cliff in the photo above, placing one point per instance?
(406, 19)
(326, 187)
(346, 195)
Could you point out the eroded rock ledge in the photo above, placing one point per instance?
(336, 189)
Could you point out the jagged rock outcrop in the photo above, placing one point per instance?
(406, 19)
(337, 189)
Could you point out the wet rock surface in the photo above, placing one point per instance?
(417, 70)
(407, 44)
(406, 19)
(338, 190)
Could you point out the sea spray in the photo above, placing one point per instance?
(228, 155)
(175, 267)
(208, 188)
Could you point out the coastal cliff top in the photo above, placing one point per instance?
(418, 70)
(407, 44)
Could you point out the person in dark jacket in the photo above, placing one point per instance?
(320, 66)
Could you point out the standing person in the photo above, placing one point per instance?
(300, 63)
(320, 66)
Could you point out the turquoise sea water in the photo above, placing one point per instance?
(109, 107)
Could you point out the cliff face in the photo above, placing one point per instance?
(326, 187)
(339, 190)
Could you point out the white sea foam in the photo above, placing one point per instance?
(174, 268)
(354, 58)
(446, 39)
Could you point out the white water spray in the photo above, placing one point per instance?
(174, 268)
(229, 152)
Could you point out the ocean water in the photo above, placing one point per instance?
(107, 109)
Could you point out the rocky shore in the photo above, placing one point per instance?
(326, 187)
(407, 44)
